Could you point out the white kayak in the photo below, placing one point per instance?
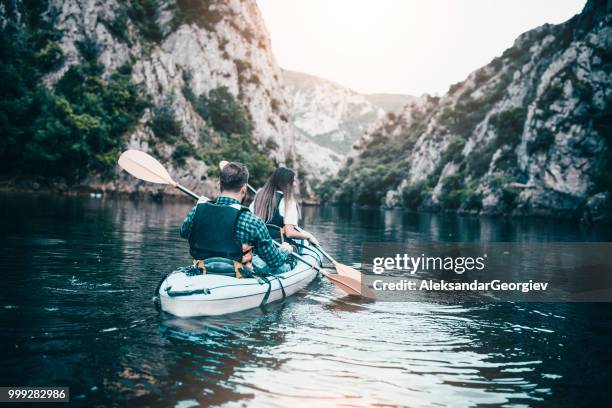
(185, 295)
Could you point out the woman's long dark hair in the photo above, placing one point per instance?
(265, 200)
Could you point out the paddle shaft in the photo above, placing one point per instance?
(299, 257)
(187, 191)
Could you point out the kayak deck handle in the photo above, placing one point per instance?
(186, 292)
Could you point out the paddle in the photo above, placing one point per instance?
(144, 167)
(342, 269)
(344, 283)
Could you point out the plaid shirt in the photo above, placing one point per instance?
(250, 230)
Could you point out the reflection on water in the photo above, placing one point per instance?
(76, 310)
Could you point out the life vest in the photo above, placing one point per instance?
(277, 223)
(212, 236)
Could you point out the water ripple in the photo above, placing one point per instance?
(81, 274)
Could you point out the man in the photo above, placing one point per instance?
(224, 230)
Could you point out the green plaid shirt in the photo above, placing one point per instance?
(250, 230)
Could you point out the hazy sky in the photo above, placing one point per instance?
(401, 46)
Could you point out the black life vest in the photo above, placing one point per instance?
(212, 232)
(277, 222)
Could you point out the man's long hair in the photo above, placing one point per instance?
(265, 200)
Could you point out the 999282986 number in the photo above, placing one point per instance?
(34, 394)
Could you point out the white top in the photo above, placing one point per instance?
(290, 214)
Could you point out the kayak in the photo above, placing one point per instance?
(184, 294)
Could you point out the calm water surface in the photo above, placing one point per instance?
(78, 277)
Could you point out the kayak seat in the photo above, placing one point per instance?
(220, 266)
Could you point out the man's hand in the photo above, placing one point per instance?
(286, 246)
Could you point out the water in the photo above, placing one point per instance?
(78, 276)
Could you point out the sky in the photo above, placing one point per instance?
(401, 46)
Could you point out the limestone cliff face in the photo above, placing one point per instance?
(527, 133)
(330, 114)
(330, 117)
(174, 46)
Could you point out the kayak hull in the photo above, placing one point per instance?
(213, 295)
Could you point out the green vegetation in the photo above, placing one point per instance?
(455, 194)
(198, 103)
(198, 12)
(67, 131)
(453, 151)
(164, 124)
(207, 14)
(518, 55)
(226, 114)
(553, 92)
(118, 26)
(382, 166)
(232, 135)
(583, 90)
(240, 148)
(509, 195)
(50, 58)
(543, 141)
(602, 123)
(144, 13)
(507, 161)
(468, 112)
(414, 194)
(364, 185)
(479, 160)
(181, 152)
(326, 190)
(509, 125)
(221, 110)
(450, 195)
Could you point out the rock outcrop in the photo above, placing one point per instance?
(529, 133)
(176, 47)
(333, 115)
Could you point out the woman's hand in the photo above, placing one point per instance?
(291, 232)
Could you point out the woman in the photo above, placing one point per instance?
(275, 204)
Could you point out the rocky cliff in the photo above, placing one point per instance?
(333, 115)
(527, 133)
(189, 61)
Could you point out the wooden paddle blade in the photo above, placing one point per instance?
(347, 271)
(144, 167)
(344, 283)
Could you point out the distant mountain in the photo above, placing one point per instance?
(389, 102)
(333, 115)
(528, 133)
